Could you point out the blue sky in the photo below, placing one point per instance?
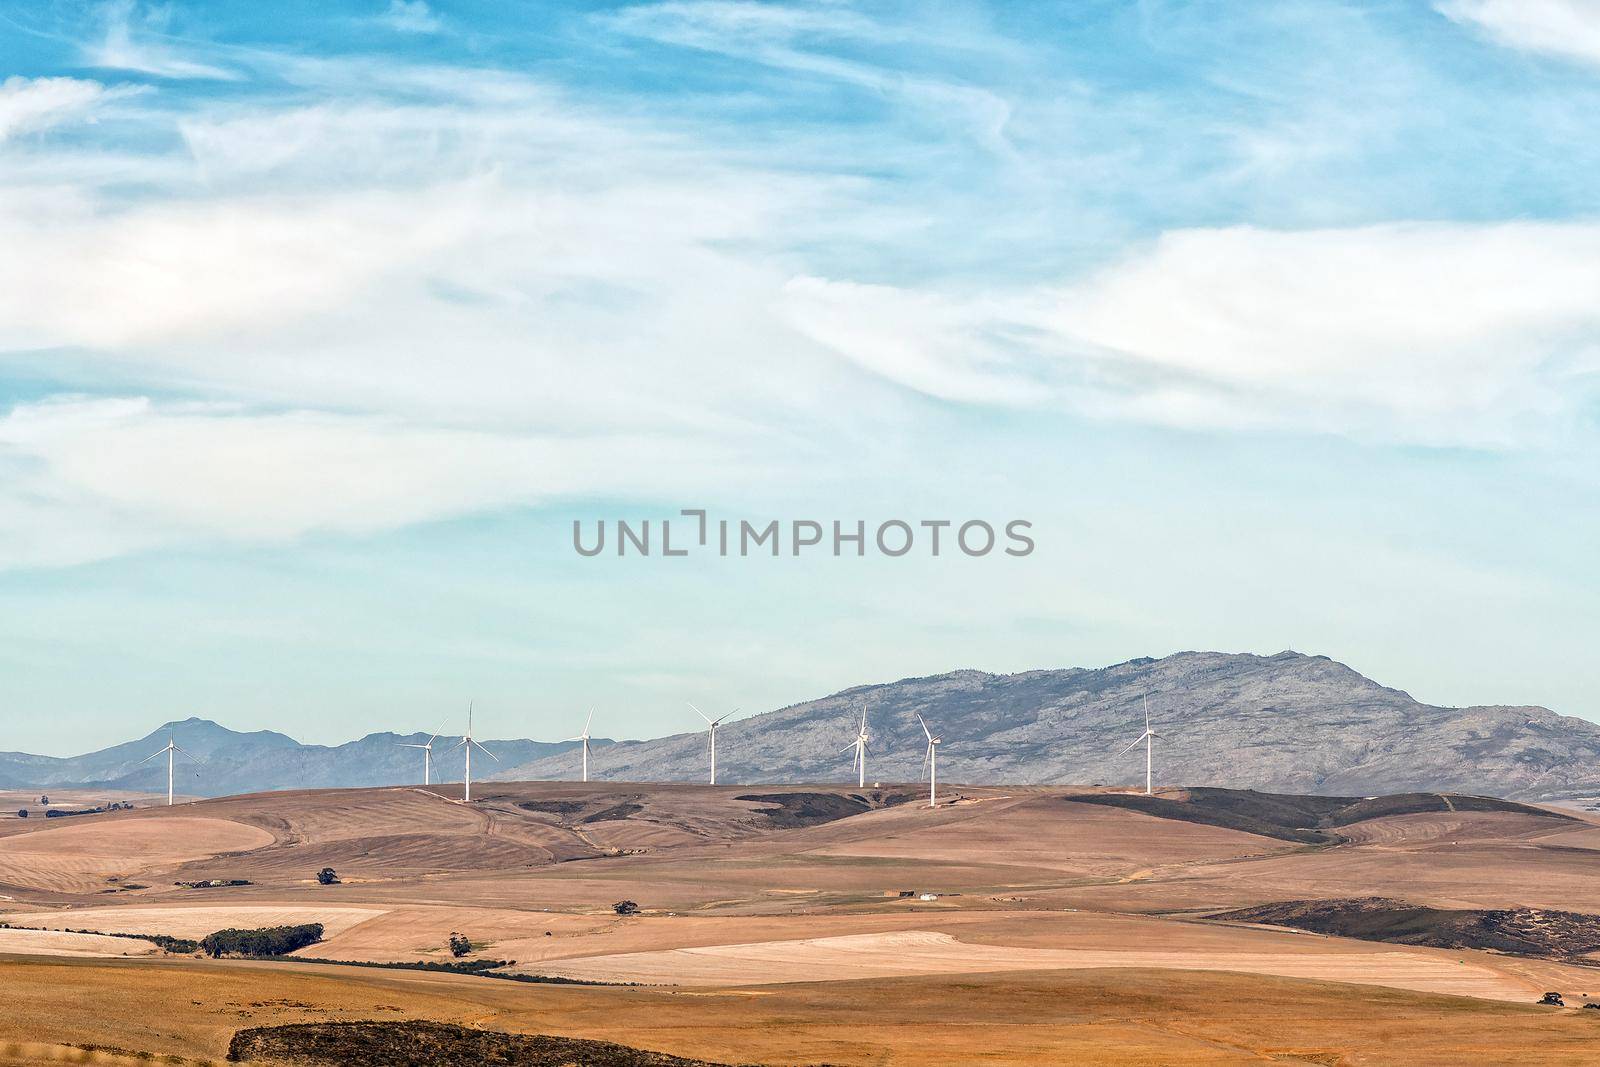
(320, 324)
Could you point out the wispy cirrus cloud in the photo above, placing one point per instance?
(1440, 334)
(132, 39)
(28, 105)
(1568, 28)
(803, 40)
(409, 255)
(85, 478)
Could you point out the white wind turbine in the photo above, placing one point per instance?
(1148, 737)
(711, 727)
(930, 763)
(469, 744)
(584, 737)
(860, 746)
(427, 756)
(171, 750)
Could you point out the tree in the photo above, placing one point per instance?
(625, 907)
(459, 945)
(22, 813)
(327, 876)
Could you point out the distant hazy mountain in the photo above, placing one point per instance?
(232, 762)
(1288, 723)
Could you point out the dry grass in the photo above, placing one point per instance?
(785, 938)
(1122, 1017)
(78, 855)
(197, 920)
(63, 943)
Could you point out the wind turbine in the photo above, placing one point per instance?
(171, 749)
(930, 763)
(427, 756)
(860, 745)
(1148, 737)
(468, 743)
(711, 726)
(584, 737)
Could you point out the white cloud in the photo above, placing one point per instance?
(596, 272)
(132, 42)
(1569, 28)
(458, 271)
(411, 16)
(945, 348)
(28, 105)
(1433, 333)
(86, 478)
(794, 38)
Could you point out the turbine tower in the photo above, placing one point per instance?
(427, 756)
(930, 763)
(469, 744)
(584, 737)
(1148, 737)
(171, 749)
(711, 728)
(859, 763)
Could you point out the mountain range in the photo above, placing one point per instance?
(1282, 723)
(227, 761)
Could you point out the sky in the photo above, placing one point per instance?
(322, 323)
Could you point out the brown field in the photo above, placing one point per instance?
(1081, 927)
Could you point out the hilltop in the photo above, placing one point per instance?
(1287, 723)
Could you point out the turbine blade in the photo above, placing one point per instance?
(697, 711)
(588, 723)
(925, 729)
(150, 757)
(485, 751)
(1129, 746)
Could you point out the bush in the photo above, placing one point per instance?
(327, 876)
(459, 945)
(625, 907)
(22, 813)
(267, 941)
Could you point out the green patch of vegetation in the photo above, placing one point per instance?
(265, 941)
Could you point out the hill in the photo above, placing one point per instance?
(229, 761)
(1287, 723)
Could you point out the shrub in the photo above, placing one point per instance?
(327, 876)
(266, 941)
(459, 945)
(22, 813)
(625, 907)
